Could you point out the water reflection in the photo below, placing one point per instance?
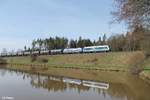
(132, 89)
(53, 83)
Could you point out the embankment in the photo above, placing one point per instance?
(118, 61)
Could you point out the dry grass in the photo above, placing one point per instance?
(111, 60)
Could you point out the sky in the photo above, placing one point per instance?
(21, 21)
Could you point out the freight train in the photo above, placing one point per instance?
(88, 49)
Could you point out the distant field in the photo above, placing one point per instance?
(111, 60)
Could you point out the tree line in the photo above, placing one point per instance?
(138, 39)
(136, 14)
(62, 42)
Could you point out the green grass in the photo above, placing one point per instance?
(146, 64)
(145, 74)
(111, 60)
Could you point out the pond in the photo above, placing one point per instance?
(90, 85)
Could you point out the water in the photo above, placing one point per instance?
(101, 86)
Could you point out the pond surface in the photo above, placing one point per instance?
(15, 85)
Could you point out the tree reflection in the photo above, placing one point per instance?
(128, 88)
(56, 84)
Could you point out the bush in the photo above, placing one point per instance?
(2, 61)
(136, 69)
(33, 58)
(93, 60)
(42, 60)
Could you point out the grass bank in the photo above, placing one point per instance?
(119, 61)
(145, 74)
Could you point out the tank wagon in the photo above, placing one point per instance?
(56, 51)
(45, 52)
(72, 50)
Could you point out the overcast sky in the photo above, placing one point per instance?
(21, 21)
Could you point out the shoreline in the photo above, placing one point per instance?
(39, 69)
(107, 62)
(84, 74)
(47, 67)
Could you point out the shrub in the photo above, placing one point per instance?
(94, 60)
(42, 60)
(2, 61)
(33, 58)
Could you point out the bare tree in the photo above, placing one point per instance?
(134, 12)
